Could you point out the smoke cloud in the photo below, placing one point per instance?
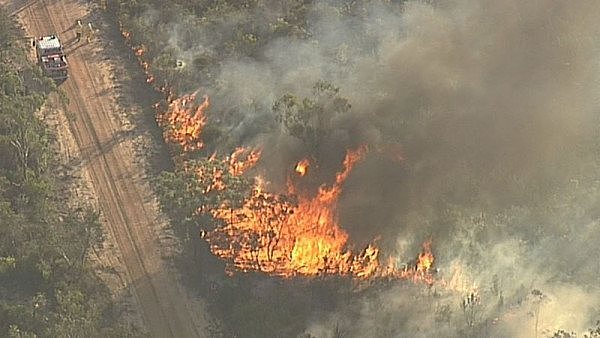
(492, 107)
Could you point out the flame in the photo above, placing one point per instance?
(183, 123)
(424, 262)
(236, 166)
(269, 233)
(302, 167)
(285, 234)
(139, 51)
(295, 235)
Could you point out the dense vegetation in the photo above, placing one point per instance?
(47, 288)
(284, 308)
(497, 164)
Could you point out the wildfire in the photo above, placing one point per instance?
(236, 166)
(140, 51)
(425, 260)
(289, 235)
(270, 233)
(183, 123)
(302, 167)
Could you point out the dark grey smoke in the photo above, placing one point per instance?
(493, 106)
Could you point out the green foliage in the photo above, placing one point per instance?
(277, 314)
(46, 288)
(7, 264)
(309, 119)
(187, 194)
(209, 33)
(215, 32)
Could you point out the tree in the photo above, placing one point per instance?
(188, 194)
(46, 287)
(592, 333)
(310, 119)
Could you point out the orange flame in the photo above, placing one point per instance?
(286, 234)
(275, 234)
(424, 263)
(236, 166)
(272, 234)
(302, 167)
(269, 233)
(183, 123)
(425, 260)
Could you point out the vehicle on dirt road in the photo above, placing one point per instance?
(51, 57)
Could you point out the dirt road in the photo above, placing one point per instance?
(124, 201)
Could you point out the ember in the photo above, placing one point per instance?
(302, 167)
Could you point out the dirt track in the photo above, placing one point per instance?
(124, 201)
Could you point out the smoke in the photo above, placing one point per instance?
(492, 106)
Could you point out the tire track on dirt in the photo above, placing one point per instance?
(113, 177)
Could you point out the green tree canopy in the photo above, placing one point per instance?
(310, 118)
